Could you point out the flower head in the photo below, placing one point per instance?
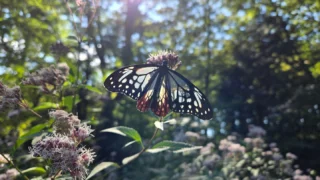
(59, 48)
(159, 58)
(48, 76)
(64, 122)
(256, 131)
(64, 154)
(10, 97)
(82, 132)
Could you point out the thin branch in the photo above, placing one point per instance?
(56, 175)
(11, 163)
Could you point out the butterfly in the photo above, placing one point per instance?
(160, 89)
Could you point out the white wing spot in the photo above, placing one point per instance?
(133, 91)
(140, 79)
(111, 82)
(182, 106)
(189, 100)
(120, 85)
(197, 109)
(195, 103)
(135, 77)
(145, 70)
(189, 106)
(126, 73)
(136, 85)
(127, 87)
(208, 109)
(205, 112)
(130, 81)
(111, 78)
(124, 80)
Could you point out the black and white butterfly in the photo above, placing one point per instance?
(160, 89)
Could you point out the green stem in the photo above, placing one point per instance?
(11, 163)
(77, 76)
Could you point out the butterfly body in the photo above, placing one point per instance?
(160, 89)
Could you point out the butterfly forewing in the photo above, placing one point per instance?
(185, 98)
(131, 80)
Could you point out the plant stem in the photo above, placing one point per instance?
(11, 163)
(77, 76)
(56, 175)
(27, 107)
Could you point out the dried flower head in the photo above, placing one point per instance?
(64, 122)
(64, 68)
(159, 58)
(48, 76)
(10, 97)
(59, 49)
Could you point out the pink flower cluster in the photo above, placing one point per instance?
(256, 131)
(62, 146)
(10, 174)
(229, 146)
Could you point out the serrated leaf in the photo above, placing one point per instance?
(102, 166)
(159, 125)
(34, 171)
(130, 158)
(125, 131)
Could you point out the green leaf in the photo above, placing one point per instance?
(125, 131)
(104, 165)
(45, 105)
(129, 143)
(157, 150)
(73, 38)
(130, 158)
(34, 131)
(93, 89)
(35, 171)
(174, 146)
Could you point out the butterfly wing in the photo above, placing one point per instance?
(160, 105)
(186, 98)
(132, 80)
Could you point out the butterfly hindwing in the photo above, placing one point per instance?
(186, 98)
(160, 105)
(132, 80)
